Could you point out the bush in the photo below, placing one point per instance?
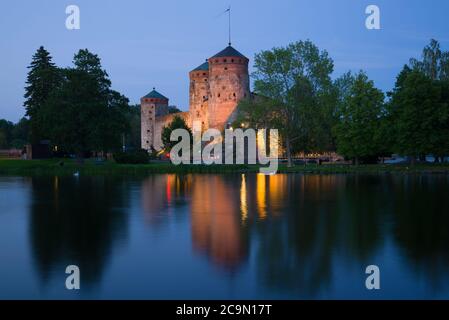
(135, 157)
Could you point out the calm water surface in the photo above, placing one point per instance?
(225, 236)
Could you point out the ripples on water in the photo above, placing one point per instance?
(225, 236)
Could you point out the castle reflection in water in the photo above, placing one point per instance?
(220, 212)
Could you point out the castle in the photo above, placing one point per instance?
(216, 87)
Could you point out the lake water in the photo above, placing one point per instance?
(225, 236)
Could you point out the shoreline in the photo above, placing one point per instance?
(90, 167)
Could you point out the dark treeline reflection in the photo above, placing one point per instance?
(324, 216)
(350, 217)
(76, 220)
(299, 224)
(422, 224)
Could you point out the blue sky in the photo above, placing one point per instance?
(145, 43)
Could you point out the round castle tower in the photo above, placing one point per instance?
(199, 95)
(228, 84)
(152, 105)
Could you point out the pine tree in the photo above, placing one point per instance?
(42, 80)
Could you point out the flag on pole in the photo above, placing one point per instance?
(228, 10)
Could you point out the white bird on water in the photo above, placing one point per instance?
(76, 174)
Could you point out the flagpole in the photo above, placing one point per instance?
(229, 25)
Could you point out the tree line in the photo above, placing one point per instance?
(13, 135)
(74, 108)
(294, 93)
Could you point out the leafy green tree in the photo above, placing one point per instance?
(133, 138)
(6, 128)
(420, 113)
(359, 119)
(295, 81)
(177, 123)
(84, 114)
(20, 133)
(14, 135)
(434, 63)
(173, 109)
(441, 149)
(90, 63)
(43, 78)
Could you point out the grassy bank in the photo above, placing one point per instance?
(90, 167)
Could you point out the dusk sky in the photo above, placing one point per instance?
(146, 43)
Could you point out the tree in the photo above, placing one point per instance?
(295, 81)
(421, 115)
(434, 63)
(13, 135)
(20, 133)
(177, 123)
(359, 119)
(43, 78)
(6, 128)
(133, 137)
(84, 114)
(173, 109)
